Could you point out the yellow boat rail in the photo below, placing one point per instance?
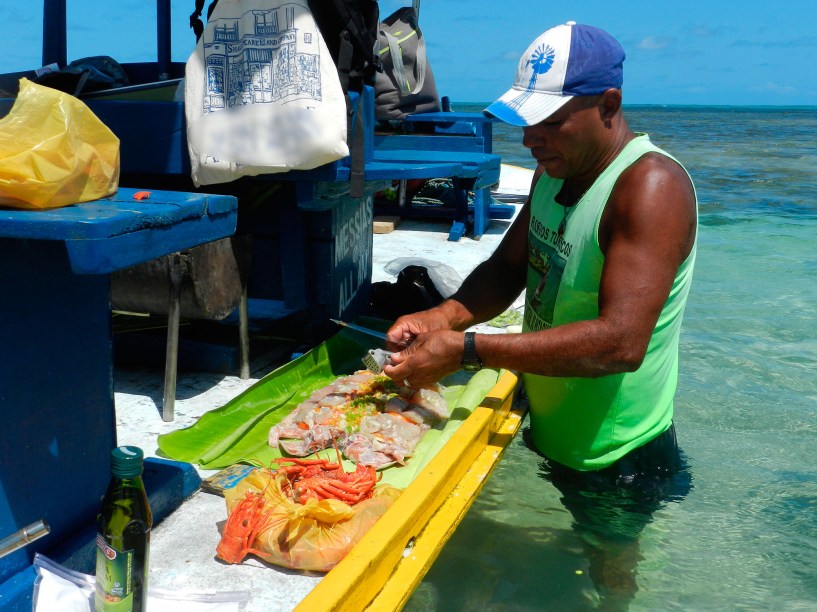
(385, 567)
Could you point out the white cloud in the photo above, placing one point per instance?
(702, 31)
(653, 43)
(775, 88)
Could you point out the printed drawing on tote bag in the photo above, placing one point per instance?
(262, 94)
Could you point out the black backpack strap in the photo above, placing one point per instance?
(195, 20)
(357, 144)
(344, 61)
(195, 17)
(362, 37)
(355, 130)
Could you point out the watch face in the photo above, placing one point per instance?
(471, 366)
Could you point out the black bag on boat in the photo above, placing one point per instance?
(96, 73)
(406, 84)
(414, 291)
(349, 28)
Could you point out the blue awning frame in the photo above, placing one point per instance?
(55, 38)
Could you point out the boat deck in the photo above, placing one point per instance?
(183, 545)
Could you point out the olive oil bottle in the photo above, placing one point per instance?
(123, 538)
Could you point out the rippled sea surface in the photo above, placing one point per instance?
(745, 537)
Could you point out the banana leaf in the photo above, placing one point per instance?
(238, 431)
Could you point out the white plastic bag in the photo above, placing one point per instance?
(262, 93)
(445, 278)
(59, 589)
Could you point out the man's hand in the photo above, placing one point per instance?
(430, 357)
(406, 329)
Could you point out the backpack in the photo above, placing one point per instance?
(349, 29)
(405, 85)
(86, 75)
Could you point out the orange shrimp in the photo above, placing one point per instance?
(247, 520)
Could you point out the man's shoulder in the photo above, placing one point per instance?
(655, 169)
(655, 189)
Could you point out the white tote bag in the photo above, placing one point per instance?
(262, 93)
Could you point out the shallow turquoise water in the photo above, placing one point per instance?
(745, 537)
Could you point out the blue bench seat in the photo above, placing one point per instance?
(479, 172)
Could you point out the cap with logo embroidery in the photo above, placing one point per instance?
(565, 61)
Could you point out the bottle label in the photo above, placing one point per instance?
(114, 577)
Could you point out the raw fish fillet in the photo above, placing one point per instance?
(387, 438)
(369, 418)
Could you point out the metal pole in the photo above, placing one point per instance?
(163, 38)
(244, 334)
(55, 40)
(23, 536)
(416, 5)
(172, 353)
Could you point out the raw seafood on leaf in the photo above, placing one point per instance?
(370, 419)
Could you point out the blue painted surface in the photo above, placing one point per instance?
(153, 135)
(481, 166)
(56, 383)
(113, 216)
(460, 137)
(116, 232)
(429, 142)
(316, 249)
(458, 123)
(168, 484)
(57, 393)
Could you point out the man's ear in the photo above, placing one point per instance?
(609, 104)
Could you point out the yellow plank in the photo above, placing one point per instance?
(419, 559)
(356, 580)
(385, 224)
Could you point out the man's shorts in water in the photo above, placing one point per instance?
(617, 502)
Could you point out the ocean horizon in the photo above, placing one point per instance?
(631, 105)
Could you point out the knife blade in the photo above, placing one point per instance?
(361, 329)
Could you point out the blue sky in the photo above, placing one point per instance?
(692, 52)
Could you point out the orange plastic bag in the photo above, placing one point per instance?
(54, 151)
(313, 536)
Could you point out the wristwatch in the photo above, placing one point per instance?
(470, 360)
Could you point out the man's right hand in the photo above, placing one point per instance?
(408, 327)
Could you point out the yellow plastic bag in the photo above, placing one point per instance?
(313, 536)
(54, 151)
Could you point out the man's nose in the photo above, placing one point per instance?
(530, 138)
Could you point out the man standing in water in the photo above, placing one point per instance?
(615, 218)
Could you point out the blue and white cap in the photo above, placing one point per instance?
(565, 61)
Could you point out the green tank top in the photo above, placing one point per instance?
(589, 423)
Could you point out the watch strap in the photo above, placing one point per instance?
(470, 359)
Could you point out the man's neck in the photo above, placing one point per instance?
(574, 188)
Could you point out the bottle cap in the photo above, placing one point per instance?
(126, 461)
